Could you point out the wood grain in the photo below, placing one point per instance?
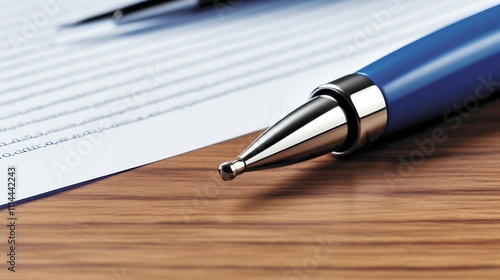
(324, 219)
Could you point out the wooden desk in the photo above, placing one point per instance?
(324, 219)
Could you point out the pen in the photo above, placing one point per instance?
(457, 64)
(151, 8)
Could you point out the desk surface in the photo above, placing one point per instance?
(367, 216)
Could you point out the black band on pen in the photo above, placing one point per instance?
(341, 90)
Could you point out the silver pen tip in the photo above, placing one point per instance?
(117, 15)
(230, 169)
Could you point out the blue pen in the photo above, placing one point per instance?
(459, 64)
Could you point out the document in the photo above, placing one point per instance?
(80, 103)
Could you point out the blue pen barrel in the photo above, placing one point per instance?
(459, 63)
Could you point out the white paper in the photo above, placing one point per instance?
(78, 104)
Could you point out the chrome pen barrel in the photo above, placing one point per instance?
(340, 117)
(314, 129)
(365, 108)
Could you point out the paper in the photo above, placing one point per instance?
(80, 104)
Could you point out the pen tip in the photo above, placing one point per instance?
(230, 169)
(68, 25)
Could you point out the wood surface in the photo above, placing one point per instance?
(327, 218)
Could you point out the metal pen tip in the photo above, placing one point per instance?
(230, 169)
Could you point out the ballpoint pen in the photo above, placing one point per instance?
(152, 8)
(457, 64)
